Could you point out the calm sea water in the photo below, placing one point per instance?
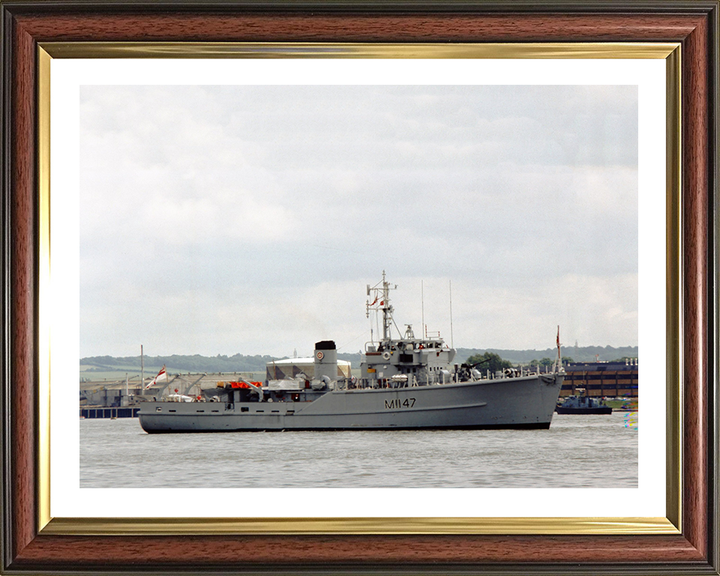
(577, 452)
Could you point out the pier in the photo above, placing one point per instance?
(100, 412)
(116, 398)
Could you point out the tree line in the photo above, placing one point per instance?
(194, 363)
(495, 359)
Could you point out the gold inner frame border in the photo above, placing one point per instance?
(671, 524)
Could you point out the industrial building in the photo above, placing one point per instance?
(291, 367)
(607, 379)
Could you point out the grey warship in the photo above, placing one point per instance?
(405, 383)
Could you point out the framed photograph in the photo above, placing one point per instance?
(318, 142)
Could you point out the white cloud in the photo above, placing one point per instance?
(275, 320)
(245, 219)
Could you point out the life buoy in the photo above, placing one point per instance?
(386, 355)
(320, 355)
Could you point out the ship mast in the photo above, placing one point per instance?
(386, 308)
(382, 301)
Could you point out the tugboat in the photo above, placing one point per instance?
(405, 383)
(581, 403)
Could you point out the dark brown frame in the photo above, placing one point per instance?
(693, 24)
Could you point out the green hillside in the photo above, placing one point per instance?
(96, 365)
(177, 363)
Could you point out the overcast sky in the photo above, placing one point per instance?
(249, 219)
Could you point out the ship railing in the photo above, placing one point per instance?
(380, 384)
(405, 345)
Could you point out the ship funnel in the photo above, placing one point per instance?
(326, 360)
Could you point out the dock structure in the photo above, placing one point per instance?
(118, 398)
(602, 379)
(112, 413)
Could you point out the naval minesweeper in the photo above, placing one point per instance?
(404, 383)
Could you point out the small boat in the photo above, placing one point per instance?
(581, 403)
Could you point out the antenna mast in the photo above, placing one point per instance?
(451, 323)
(422, 308)
(382, 300)
(559, 354)
(142, 370)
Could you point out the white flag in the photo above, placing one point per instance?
(162, 375)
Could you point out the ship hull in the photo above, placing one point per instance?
(522, 402)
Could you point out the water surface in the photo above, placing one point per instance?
(576, 452)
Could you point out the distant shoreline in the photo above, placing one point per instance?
(256, 363)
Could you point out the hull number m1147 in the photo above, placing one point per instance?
(397, 403)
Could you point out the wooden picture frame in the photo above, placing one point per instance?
(30, 545)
